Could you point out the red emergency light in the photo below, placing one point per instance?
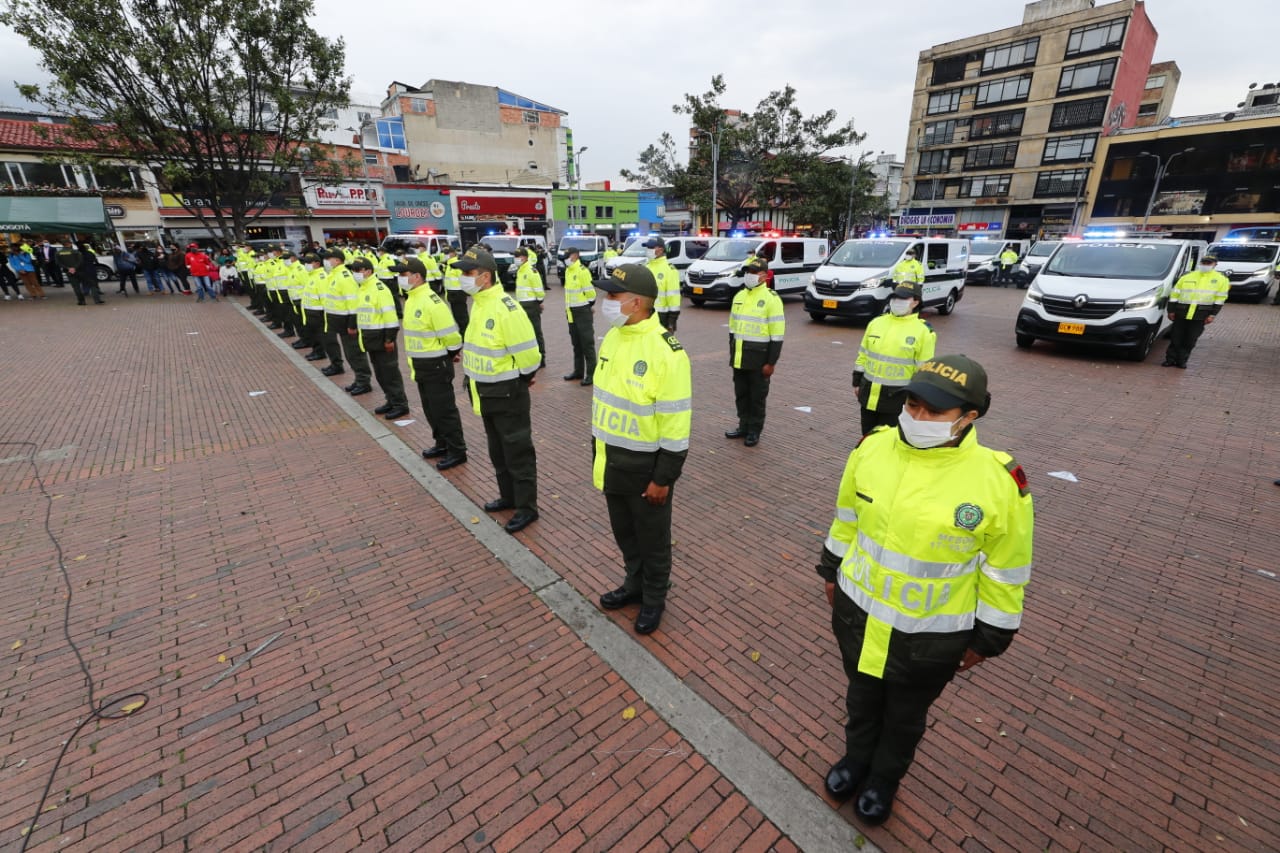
(425, 231)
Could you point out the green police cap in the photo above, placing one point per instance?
(949, 382)
(630, 278)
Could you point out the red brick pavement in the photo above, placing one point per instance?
(418, 697)
(1133, 710)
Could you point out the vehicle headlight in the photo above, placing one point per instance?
(1141, 302)
(871, 283)
(1035, 294)
(813, 280)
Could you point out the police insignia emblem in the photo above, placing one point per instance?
(640, 368)
(417, 313)
(760, 304)
(968, 516)
(911, 340)
(489, 324)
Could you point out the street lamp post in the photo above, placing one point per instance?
(577, 174)
(1162, 169)
(373, 205)
(714, 136)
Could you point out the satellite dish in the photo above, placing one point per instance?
(1228, 116)
(1253, 85)
(1239, 105)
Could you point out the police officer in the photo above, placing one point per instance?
(296, 277)
(668, 280)
(432, 345)
(1196, 299)
(1008, 258)
(341, 293)
(81, 266)
(453, 293)
(893, 347)
(313, 331)
(500, 358)
(756, 326)
(579, 296)
(909, 270)
(378, 328)
(641, 412)
(530, 293)
(925, 565)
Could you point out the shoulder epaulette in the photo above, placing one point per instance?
(1015, 471)
(672, 342)
(511, 304)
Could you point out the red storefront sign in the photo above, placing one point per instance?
(501, 205)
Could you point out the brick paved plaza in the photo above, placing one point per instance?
(421, 696)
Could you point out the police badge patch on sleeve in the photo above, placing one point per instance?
(968, 516)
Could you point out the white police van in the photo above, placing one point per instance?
(681, 253)
(436, 243)
(1249, 266)
(857, 280)
(1112, 291)
(591, 249)
(718, 275)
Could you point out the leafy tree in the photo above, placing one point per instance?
(774, 156)
(837, 197)
(219, 97)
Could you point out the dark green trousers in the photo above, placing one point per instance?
(386, 369)
(508, 427)
(750, 391)
(643, 534)
(1182, 339)
(434, 378)
(356, 357)
(534, 310)
(582, 334)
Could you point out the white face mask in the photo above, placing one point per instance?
(925, 434)
(361, 276)
(899, 307)
(1207, 267)
(751, 279)
(468, 284)
(651, 254)
(330, 263)
(403, 281)
(611, 310)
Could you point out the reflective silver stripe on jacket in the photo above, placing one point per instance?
(948, 623)
(639, 409)
(837, 546)
(487, 352)
(1016, 575)
(888, 359)
(923, 569)
(675, 445)
(998, 618)
(625, 443)
(488, 378)
(672, 407)
(844, 513)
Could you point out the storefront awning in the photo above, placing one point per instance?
(33, 215)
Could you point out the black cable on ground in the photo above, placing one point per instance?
(110, 709)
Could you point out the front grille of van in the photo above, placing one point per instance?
(830, 288)
(1064, 306)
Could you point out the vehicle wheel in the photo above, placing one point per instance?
(104, 273)
(1142, 350)
(1024, 341)
(697, 302)
(948, 305)
(817, 316)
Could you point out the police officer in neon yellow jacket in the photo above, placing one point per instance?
(668, 280)
(1195, 300)
(640, 418)
(756, 327)
(893, 347)
(925, 566)
(500, 358)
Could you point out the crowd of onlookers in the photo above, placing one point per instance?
(203, 273)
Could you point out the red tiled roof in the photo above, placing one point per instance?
(34, 134)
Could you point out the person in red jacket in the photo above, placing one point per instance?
(202, 270)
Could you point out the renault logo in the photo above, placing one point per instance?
(835, 282)
(1080, 301)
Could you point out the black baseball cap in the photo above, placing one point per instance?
(655, 243)
(476, 258)
(360, 264)
(755, 266)
(630, 278)
(410, 265)
(336, 254)
(950, 381)
(906, 290)
(311, 258)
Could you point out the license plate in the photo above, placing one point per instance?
(697, 291)
(830, 303)
(1071, 328)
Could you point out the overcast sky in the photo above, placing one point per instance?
(617, 68)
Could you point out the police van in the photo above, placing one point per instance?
(591, 248)
(717, 276)
(1249, 266)
(403, 241)
(984, 258)
(1110, 291)
(857, 280)
(681, 253)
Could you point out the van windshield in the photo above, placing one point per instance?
(635, 250)
(501, 244)
(583, 244)
(1243, 254)
(866, 253)
(1114, 260)
(983, 249)
(1043, 249)
(731, 250)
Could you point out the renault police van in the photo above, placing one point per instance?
(1249, 266)
(681, 253)
(857, 279)
(1111, 291)
(591, 248)
(984, 257)
(1033, 260)
(718, 275)
(437, 244)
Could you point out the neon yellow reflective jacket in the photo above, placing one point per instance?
(756, 326)
(578, 289)
(529, 283)
(1197, 290)
(892, 349)
(451, 276)
(375, 309)
(910, 272)
(313, 292)
(295, 279)
(429, 328)
(931, 542)
(499, 348)
(668, 285)
(340, 292)
(641, 408)
(432, 265)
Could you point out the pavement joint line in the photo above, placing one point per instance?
(801, 815)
